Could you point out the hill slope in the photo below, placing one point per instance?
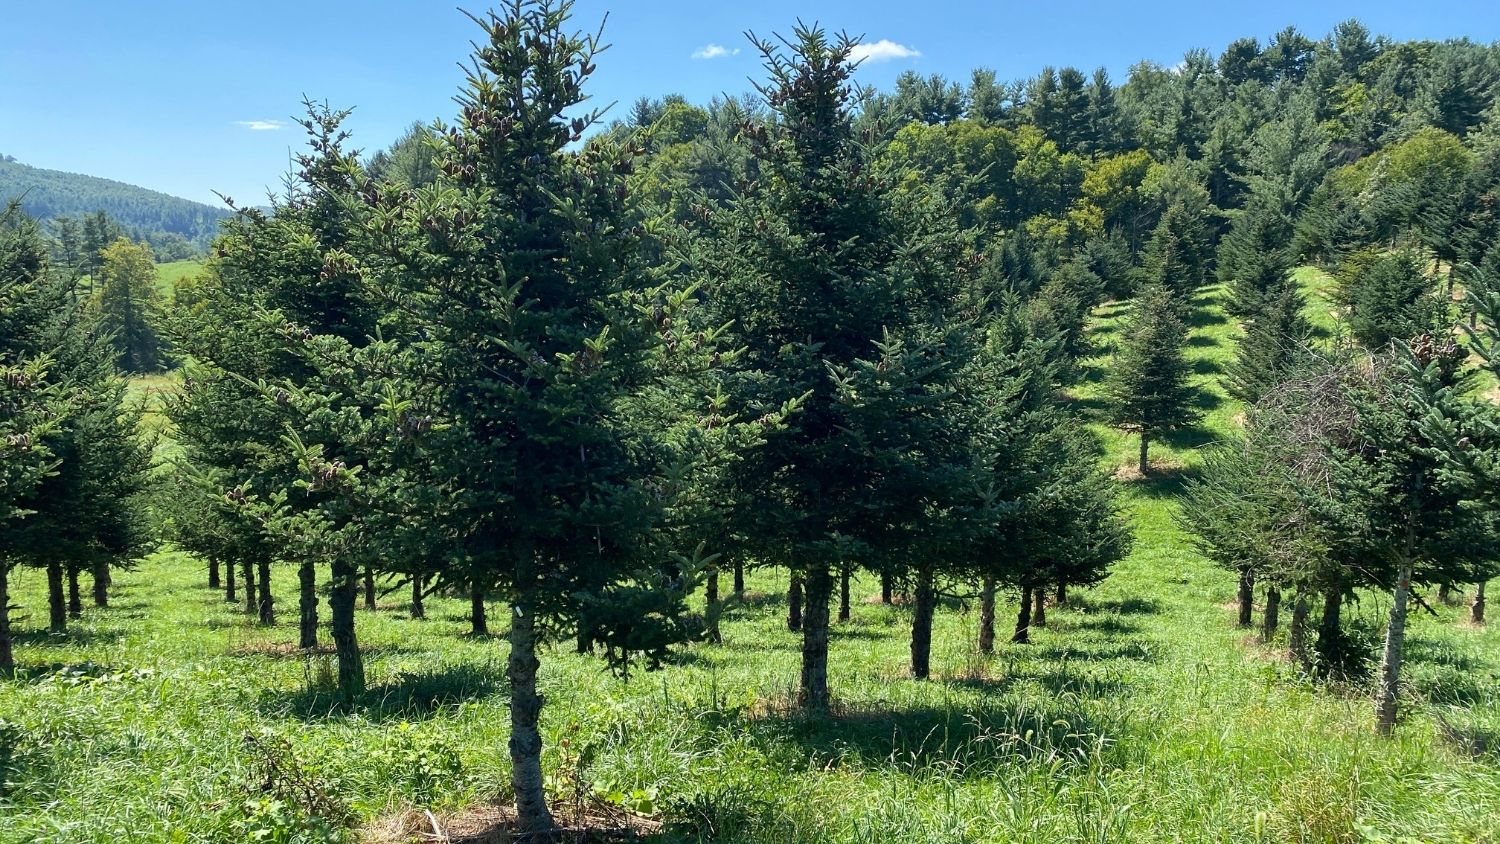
(46, 194)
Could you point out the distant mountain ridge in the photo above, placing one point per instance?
(46, 194)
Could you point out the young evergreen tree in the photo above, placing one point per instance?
(1392, 300)
(1276, 343)
(525, 401)
(842, 289)
(1148, 390)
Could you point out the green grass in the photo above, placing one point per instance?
(172, 273)
(1139, 714)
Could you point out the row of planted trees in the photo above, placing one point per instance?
(513, 381)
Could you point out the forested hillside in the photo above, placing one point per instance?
(978, 460)
(168, 223)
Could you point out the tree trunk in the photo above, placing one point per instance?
(1330, 632)
(267, 611)
(794, 603)
(1246, 598)
(885, 589)
(370, 588)
(307, 583)
(711, 604)
(921, 627)
(7, 655)
(341, 599)
(739, 577)
(1390, 662)
(1062, 594)
(987, 616)
(231, 582)
(1023, 618)
(533, 820)
(1476, 611)
(249, 587)
(1297, 635)
(1039, 612)
(479, 622)
(102, 582)
(417, 585)
(213, 572)
(75, 600)
(1145, 445)
(1272, 618)
(844, 594)
(813, 695)
(57, 601)
(1445, 593)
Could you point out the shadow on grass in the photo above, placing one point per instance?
(76, 637)
(1203, 318)
(1203, 341)
(1165, 483)
(1206, 366)
(1124, 606)
(407, 698)
(959, 741)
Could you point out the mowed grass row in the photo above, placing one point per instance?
(1139, 714)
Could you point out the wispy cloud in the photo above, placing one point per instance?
(883, 50)
(261, 125)
(714, 51)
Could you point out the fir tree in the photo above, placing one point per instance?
(1148, 390)
(1276, 342)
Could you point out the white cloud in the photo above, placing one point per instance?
(261, 125)
(714, 51)
(883, 50)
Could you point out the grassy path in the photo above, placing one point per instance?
(1139, 714)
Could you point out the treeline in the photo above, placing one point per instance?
(176, 228)
(591, 373)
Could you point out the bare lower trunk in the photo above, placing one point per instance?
(921, 627)
(987, 616)
(739, 577)
(1023, 618)
(1330, 630)
(533, 820)
(417, 585)
(885, 589)
(1390, 662)
(1297, 635)
(307, 604)
(231, 584)
(249, 568)
(479, 622)
(1246, 598)
(213, 572)
(57, 601)
(75, 600)
(813, 694)
(1272, 617)
(794, 603)
(711, 604)
(1039, 607)
(844, 595)
(369, 588)
(1145, 446)
(1062, 594)
(341, 598)
(1476, 611)
(1445, 593)
(102, 582)
(7, 655)
(266, 609)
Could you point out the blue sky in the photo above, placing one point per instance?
(194, 97)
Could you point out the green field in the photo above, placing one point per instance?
(171, 273)
(1139, 714)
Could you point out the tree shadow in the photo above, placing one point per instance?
(966, 742)
(408, 697)
(76, 637)
(1123, 606)
(1165, 483)
(1201, 317)
(1206, 366)
(1131, 652)
(1203, 341)
(1110, 624)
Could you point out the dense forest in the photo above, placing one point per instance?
(637, 380)
(175, 228)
